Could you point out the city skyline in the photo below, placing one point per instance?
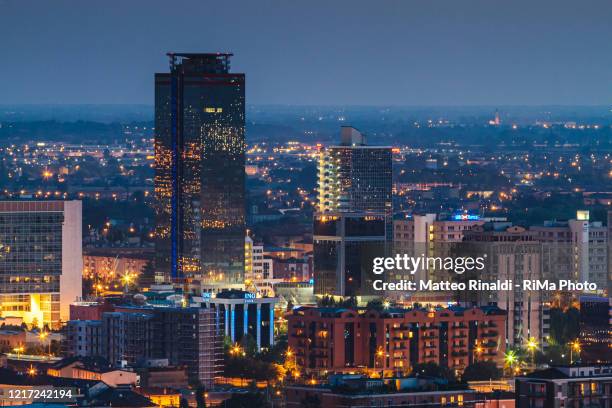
(421, 214)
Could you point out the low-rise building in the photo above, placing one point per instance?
(394, 340)
(565, 386)
(92, 370)
(239, 313)
(375, 393)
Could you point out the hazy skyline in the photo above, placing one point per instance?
(314, 52)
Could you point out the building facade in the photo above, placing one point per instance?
(354, 214)
(354, 176)
(199, 170)
(329, 397)
(426, 235)
(512, 254)
(563, 387)
(40, 260)
(595, 330)
(395, 340)
(82, 338)
(239, 313)
(131, 336)
(576, 250)
(344, 247)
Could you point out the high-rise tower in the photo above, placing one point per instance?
(199, 170)
(41, 260)
(354, 218)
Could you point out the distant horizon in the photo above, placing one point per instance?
(493, 106)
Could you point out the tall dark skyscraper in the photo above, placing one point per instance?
(199, 170)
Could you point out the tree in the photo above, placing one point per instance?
(246, 400)
(564, 325)
(433, 370)
(311, 401)
(147, 276)
(481, 371)
(375, 304)
(200, 398)
(249, 345)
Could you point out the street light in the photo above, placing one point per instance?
(380, 354)
(18, 350)
(235, 350)
(44, 335)
(511, 358)
(478, 350)
(532, 345)
(574, 346)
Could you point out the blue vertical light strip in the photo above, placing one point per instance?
(233, 325)
(271, 324)
(258, 331)
(245, 319)
(174, 111)
(226, 320)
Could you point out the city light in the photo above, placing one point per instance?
(510, 358)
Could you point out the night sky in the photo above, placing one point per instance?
(355, 52)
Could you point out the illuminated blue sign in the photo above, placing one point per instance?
(465, 217)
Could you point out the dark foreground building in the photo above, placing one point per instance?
(132, 336)
(568, 386)
(595, 330)
(199, 170)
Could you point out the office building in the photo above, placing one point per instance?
(258, 271)
(595, 330)
(82, 338)
(576, 250)
(511, 253)
(431, 236)
(565, 386)
(126, 337)
(355, 177)
(393, 340)
(41, 260)
(345, 245)
(130, 336)
(354, 215)
(189, 337)
(609, 225)
(199, 171)
(238, 314)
